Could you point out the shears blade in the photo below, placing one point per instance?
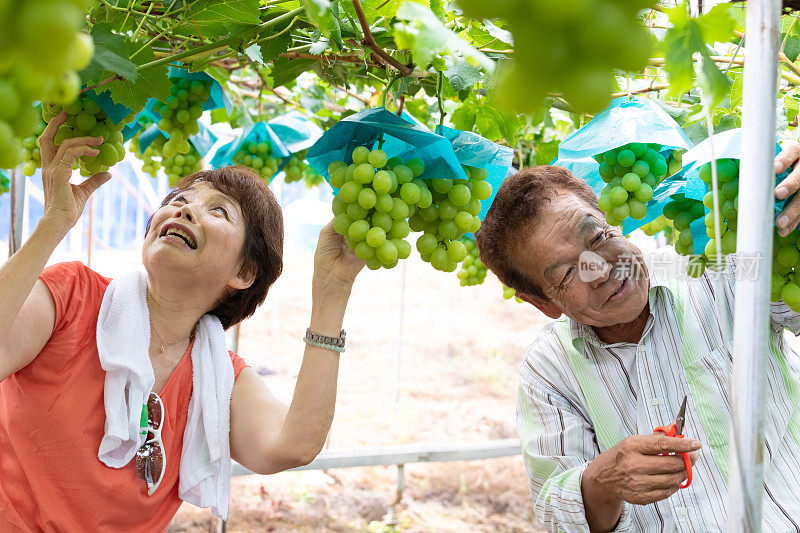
(680, 418)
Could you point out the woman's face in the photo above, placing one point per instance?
(196, 241)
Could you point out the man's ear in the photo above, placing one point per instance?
(243, 280)
(548, 308)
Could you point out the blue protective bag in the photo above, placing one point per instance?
(115, 112)
(475, 151)
(295, 131)
(149, 135)
(727, 145)
(216, 100)
(624, 121)
(401, 137)
(219, 159)
(202, 141)
(259, 132)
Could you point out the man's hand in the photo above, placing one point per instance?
(790, 216)
(633, 471)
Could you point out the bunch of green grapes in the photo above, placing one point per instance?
(656, 225)
(682, 212)
(569, 47)
(728, 181)
(180, 112)
(675, 162)
(381, 200)
(632, 172)
(33, 157)
(473, 271)
(181, 165)
(149, 165)
(312, 178)
(453, 212)
(509, 293)
(87, 118)
(257, 155)
(371, 210)
(296, 167)
(41, 50)
(786, 269)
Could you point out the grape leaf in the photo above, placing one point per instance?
(544, 152)
(286, 70)
(150, 83)
(482, 117)
(277, 38)
(718, 24)
(688, 36)
(319, 13)
(792, 47)
(715, 84)
(425, 36)
(460, 73)
(110, 54)
(375, 9)
(437, 6)
(215, 18)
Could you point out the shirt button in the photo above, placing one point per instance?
(654, 401)
(682, 511)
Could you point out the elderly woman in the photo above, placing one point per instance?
(118, 399)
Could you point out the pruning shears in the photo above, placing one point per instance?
(676, 430)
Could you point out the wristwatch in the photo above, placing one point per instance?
(321, 341)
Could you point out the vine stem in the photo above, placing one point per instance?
(369, 41)
(439, 87)
(96, 85)
(213, 47)
(388, 88)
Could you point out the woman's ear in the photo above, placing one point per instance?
(243, 280)
(548, 308)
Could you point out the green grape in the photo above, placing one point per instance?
(361, 155)
(180, 112)
(377, 158)
(86, 118)
(33, 157)
(182, 165)
(253, 153)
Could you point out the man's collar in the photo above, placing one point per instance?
(657, 269)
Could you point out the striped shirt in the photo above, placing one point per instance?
(579, 396)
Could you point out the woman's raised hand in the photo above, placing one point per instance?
(63, 201)
(334, 259)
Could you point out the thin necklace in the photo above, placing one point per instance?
(163, 344)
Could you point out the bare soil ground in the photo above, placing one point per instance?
(461, 349)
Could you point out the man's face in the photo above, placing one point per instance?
(587, 269)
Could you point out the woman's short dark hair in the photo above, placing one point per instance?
(262, 252)
(518, 203)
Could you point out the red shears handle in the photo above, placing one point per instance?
(671, 431)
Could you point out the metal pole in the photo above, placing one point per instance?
(17, 211)
(757, 181)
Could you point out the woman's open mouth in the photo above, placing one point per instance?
(180, 234)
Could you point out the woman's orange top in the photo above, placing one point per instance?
(52, 421)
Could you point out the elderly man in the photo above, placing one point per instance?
(634, 342)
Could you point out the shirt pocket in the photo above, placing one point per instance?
(708, 382)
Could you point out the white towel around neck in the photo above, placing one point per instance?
(123, 339)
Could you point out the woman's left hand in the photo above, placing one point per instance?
(334, 259)
(790, 216)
